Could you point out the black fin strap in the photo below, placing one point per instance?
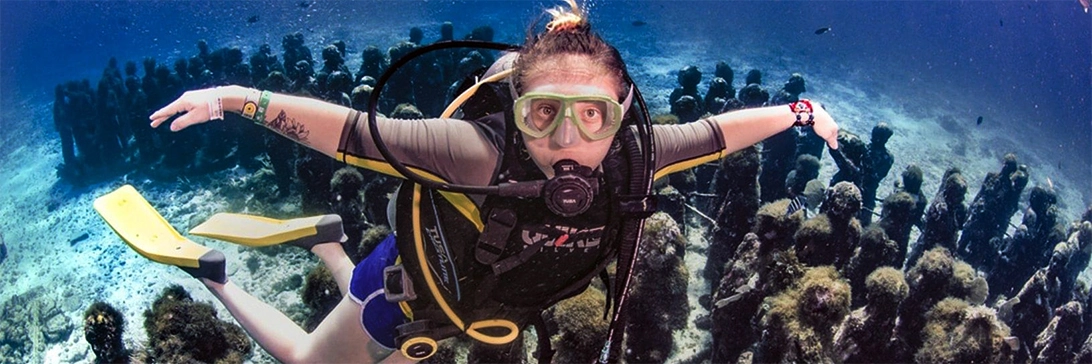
(545, 349)
(494, 237)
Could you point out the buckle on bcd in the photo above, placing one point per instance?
(397, 286)
(640, 206)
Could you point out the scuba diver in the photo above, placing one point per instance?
(555, 187)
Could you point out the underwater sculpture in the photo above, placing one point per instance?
(659, 295)
(989, 213)
(800, 323)
(688, 78)
(764, 264)
(736, 180)
(865, 334)
(1030, 246)
(830, 237)
(945, 217)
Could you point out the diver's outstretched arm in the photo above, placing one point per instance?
(743, 128)
(314, 123)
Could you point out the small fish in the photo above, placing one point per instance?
(827, 29)
(979, 121)
(1084, 4)
(252, 19)
(796, 204)
(78, 239)
(1001, 22)
(639, 23)
(304, 4)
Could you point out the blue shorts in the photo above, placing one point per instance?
(379, 317)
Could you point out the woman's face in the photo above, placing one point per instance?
(569, 75)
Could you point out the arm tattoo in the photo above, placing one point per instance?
(289, 127)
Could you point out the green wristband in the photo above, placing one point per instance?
(263, 105)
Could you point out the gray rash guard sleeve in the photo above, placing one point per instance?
(681, 147)
(455, 151)
(461, 152)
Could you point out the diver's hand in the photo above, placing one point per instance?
(195, 107)
(825, 127)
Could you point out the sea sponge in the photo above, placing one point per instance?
(815, 242)
(346, 182)
(103, 326)
(775, 227)
(800, 322)
(824, 297)
(843, 201)
(407, 111)
(368, 241)
(182, 330)
(885, 288)
(967, 284)
(581, 327)
(957, 332)
(665, 119)
(320, 293)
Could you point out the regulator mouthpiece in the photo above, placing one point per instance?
(572, 189)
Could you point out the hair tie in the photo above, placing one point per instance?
(565, 19)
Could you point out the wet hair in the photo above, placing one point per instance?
(569, 33)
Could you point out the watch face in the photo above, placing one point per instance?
(249, 109)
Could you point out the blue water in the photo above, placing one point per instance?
(1024, 66)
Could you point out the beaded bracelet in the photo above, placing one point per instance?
(801, 107)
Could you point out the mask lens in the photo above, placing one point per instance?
(595, 116)
(537, 114)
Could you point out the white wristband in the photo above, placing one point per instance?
(216, 107)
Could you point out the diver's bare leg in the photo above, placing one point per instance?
(339, 338)
(341, 267)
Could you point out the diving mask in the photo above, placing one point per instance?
(598, 117)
